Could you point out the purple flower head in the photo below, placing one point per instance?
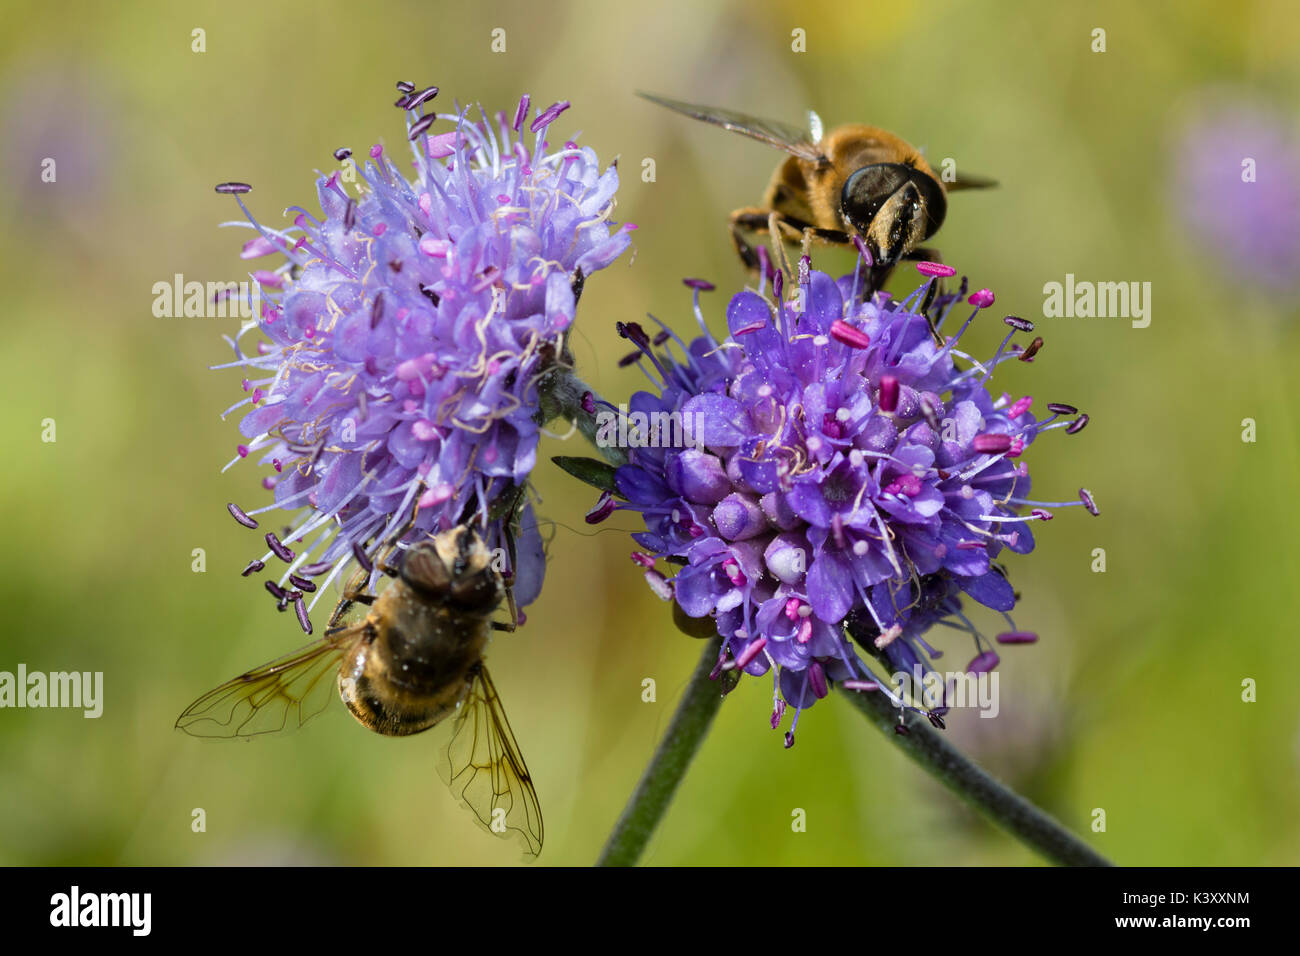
(402, 339)
(1237, 188)
(852, 479)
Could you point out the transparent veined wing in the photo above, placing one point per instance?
(783, 136)
(279, 696)
(485, 770)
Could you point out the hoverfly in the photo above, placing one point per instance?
(413, 659)
(855, 180)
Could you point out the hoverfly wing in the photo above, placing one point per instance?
(793, 140)
(279, 696)
(970, 182)
(485, 771)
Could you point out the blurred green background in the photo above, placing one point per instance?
(1130, 702)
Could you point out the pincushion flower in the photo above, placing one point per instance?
(402, 339)
(1237, 183)
(851, 482)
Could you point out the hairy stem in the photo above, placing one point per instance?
(561, 394)
(1002, 806)
(650, 800)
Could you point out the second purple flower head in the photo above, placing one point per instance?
(848, 480)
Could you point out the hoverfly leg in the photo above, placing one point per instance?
(805, 248)
(877, 276)
(385, 564)
(782, 228)
(354, 592)
(811, 234)
(779, 230)
(508, 533)
(834, 237)
(513, 608)
(924, 254)
(927, 254)
(513, 623)
(749, 219)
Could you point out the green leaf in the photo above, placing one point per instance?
(598, 474)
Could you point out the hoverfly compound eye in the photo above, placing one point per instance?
(479, 591)
(933, 199)
(423, 568)
(868, 189)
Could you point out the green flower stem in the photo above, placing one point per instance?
(694, 715)
(1002, 806)
(650, 800)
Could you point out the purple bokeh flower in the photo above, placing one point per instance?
(849, 466)
(403, 337)
(1236, 186)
